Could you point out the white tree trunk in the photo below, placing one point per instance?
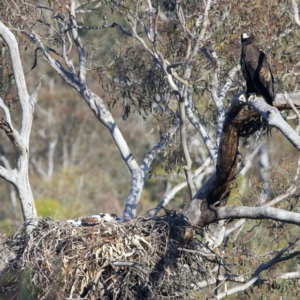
(19, 175)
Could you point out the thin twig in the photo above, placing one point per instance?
(288, 100)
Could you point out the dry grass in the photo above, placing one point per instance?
(140, 259)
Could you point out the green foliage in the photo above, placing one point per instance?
(49, 207)
(7, 226)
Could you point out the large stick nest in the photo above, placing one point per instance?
(140, 259)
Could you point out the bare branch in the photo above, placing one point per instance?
(139, 180)
(295, 11)
(78, 43)
(114, 24)
(274, 118)
(288, 100)
(240, 212)
(33, 97)
(280, 101)
(8, 175)
(170, 195)
(264, 172)
(12, 190)
(223, 277)
(217, 100)
(39, 168)
(239, 279)
(255, 276)
(65, 52)
(186, 154)
(297, 171)
(103, 115)
(212, 149)
(6, 112)
(150, 27)
(68, 77)
(205, 22)
(290, 275)
(157, 149)
(215, 240)
(16, 65)
(290, 192)
(251, 153)
(229, 82)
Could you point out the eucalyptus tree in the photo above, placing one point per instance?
(178, 62)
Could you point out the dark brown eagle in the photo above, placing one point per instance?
(256, 70)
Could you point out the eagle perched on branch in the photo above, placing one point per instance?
(256, 70)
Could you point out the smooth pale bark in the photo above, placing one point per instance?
(295, 11)
(274, 118)
(240, 212)
(19, 175)
(184, 146)
(264, 165)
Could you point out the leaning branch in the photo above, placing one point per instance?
(184, 145)
(274, 118)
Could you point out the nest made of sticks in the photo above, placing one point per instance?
(140, 259)
(251, 126)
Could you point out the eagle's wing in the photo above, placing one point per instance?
(266, 82)
(260, 72)
(247, 75)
